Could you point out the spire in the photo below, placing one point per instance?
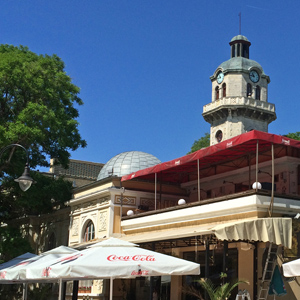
(240, 23)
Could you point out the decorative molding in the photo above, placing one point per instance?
(126, 200)
(75, 227)
(103, 200)
(150, 202)
(103, 221)
(77, 208)
(99, 285)
(89, 204)
(83, 219)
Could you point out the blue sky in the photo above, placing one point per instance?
(144, 66)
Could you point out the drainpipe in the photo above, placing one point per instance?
(122, 189)
(249, 163)
(270, 210)
(206, 263)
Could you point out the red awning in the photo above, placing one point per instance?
(227, 150)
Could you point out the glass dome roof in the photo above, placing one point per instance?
(126, 163)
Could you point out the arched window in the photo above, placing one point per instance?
(219, 136)
(257, 93)
(249, 89)
(89, 232)
(233, 51)
(238, 50)
(224, 89)
(217, 93)
(51, 241)
(246, 51)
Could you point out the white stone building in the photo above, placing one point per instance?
(225, 222)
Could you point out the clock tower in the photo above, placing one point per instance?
(239, 95)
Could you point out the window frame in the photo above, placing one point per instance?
(89, 231)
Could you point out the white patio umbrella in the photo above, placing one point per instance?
(12, 262)
(292, 268)
(113, 258)
(17, 260)
(17, 273)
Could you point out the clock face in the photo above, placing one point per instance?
(220, 77)
(254, 77)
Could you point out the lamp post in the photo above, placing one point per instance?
(24, 180)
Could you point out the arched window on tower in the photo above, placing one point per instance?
(219, 136)
(257, 93)
(89, 232)
(238, 50)
(217, 93)
(246, 51)
(224, 89)
(249, 89)
(233, 50)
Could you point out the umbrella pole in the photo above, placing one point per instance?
(111, 287)
(60, 289)
(24, 291)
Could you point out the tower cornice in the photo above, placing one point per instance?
(244, 106)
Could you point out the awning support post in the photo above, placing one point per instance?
(256, 170)
(225, 257)
(270, 210)
(206, 263)
(75, 290)
(198, 171)
(155, 194)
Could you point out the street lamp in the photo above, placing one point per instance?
(25, 181)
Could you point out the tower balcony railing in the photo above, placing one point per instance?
(239, 101)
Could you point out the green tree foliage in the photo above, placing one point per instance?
(46, 194)
(203, 142)
(38, 110)
(12, 244)
(295, 135)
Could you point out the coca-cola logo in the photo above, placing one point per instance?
(3, 274)
(46, 272)
(140, 273)
(114, 257)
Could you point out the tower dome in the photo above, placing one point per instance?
(240, 61)
(126, 163)
(240, 64)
